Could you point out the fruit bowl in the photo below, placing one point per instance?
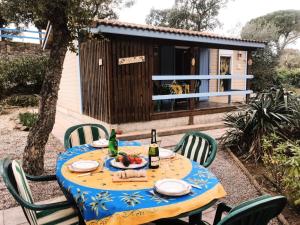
(120, 165)
(125, 161)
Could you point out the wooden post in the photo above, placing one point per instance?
(249, 72)
(192, 85)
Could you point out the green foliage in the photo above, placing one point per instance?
(290, 59)
(22, 100)
(188, 14)
(289, 77)
(284, 165)
(28, 119)
(267, 113)
(66, 17)
(24, 74)
(264, 69)
(278, 28)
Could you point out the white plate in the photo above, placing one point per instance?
(84, 166)
(101, 143)
(172, 187)
(166, 153)
(120, 165)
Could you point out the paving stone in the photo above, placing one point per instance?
(1, 217)
(14, 216)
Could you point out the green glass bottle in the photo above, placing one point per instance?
(153, 153)
(113, 144)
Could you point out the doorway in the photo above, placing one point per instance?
(225, 69)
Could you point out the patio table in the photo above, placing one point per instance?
(102, 201)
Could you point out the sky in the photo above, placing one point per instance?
(233, 16)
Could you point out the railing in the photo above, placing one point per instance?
(14, 33)
(202, 94)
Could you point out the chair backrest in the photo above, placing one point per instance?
(199, 147)
(84, 134)
(255, 212)
(17, 184)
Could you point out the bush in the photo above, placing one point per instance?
(22, 75)
(22, 100)
(269, 112)
(28, 119)
(284, 165)
(290, 77)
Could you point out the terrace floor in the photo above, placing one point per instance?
(235, 182)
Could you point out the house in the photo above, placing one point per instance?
(141, 76)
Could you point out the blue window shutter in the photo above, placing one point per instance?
(204, 70)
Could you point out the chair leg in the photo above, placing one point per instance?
(196, 219)
(222, 207)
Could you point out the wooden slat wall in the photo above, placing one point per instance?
(95, 79)
(116, 93)
(131, 85)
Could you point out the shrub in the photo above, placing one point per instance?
(289, 77)
(267, 113)
(28, 119)
(22, 100)
(284, 165)
(24, 74)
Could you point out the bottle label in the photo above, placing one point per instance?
(154, 161)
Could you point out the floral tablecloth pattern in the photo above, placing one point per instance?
(102, 201)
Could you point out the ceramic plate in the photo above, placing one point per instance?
(101, 143)
(166, 153)
(172, 187)
(120, 165)
(84, 166)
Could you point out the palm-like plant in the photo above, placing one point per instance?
(267, 113)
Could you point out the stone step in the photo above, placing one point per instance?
(170, 131)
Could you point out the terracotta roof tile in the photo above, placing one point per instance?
(117, 23)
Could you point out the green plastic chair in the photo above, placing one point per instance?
(52, 212)
(258, 211)
(84, 134)
(198, 147)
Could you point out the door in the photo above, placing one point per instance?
(203, 70)
(225, 69)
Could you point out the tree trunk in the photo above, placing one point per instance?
(33, 156)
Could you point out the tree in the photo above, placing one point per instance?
(277, 29)
(68, 18)
(290, 58)
(195, 15)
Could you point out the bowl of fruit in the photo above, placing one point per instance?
(128, 161)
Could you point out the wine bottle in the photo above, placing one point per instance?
(113, 144)
(153, 153)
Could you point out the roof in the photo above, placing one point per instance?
(117, 27)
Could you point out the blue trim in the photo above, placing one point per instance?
(22, 31)
(201, 77)
(16, 36)
(173, 36)
(198, 95)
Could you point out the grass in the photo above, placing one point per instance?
(28, 119)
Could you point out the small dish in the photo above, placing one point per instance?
(101, 143)
(172, 187)
(166, 153)
(83, 166)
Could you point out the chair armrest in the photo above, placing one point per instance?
(222, 207)
(41, 178)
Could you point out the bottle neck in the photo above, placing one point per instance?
(153, 137)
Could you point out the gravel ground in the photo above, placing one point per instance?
(12, 141)
(12, 144)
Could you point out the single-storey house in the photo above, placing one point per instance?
(146, 75)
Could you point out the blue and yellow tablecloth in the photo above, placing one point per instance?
(102, 201)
